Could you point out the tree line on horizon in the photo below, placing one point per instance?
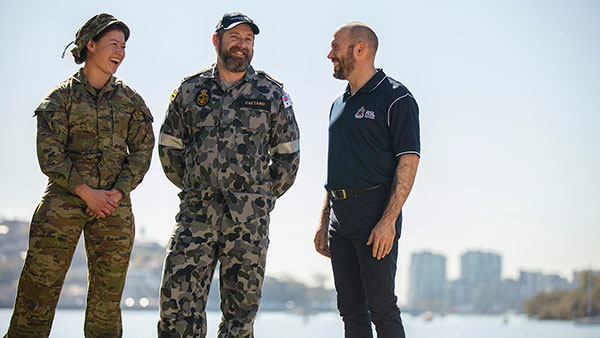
(567, 304)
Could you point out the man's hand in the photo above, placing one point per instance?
(382, 237)
(384, 233)
(99, 203)
(322, 241)
(321, 237)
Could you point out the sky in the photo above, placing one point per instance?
(509, 109)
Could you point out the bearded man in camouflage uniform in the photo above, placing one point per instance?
(94, 142)
(230, 142)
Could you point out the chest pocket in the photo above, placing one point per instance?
(83, 126)
(253, 119)
(199, 112)
(200, 123)
(121, 118)
(253, 114)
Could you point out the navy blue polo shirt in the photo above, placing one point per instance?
(369, 131)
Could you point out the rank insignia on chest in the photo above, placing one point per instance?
(203, 97)
(254, 103)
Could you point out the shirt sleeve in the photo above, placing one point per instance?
(403, 120)
(52, 134)
(140, 142)
(285, 147)
(171, 141)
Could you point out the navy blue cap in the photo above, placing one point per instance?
(231, 20)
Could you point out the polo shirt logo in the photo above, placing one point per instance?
(362, 112)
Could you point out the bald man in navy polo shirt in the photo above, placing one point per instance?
(374, 150)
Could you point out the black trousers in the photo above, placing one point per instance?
(364, 285)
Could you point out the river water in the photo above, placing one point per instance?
(141, 324)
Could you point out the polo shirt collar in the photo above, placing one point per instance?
(370, 86)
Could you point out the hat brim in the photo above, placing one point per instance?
(251, 24)
(117, 22)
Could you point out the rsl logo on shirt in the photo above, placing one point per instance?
(362, 112)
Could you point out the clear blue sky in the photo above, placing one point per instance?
(508, 93)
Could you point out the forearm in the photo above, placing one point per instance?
(403, 181)
(283, 171)
(285, 148)
(321, 236)
(64, 174)
(325, 212)
(140, 142)
(171, 142)
(172, 163)
(134, 168)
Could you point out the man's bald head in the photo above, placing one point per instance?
(359, 32)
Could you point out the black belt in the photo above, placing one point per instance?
(342, 194)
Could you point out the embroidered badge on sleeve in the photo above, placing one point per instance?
(287, 101)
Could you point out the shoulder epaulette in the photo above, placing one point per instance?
(122, 84)
(191, 76)
(126, 88)
(270, 78)
(198, 73)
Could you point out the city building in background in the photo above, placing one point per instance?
(480, 268)
(427, 281)
(480, 287)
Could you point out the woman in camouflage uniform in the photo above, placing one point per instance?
(94, 142)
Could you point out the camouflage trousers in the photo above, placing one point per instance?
(204, 235)
(56, 226)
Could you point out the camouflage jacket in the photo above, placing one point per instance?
(102, 138)
(243, 141)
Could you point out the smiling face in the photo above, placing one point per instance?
(106, 53)
(342, 54)
(235, 48)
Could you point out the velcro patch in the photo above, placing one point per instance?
(254, 103)
(287, 100)
(175, 93)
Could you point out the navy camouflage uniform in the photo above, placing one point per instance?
(102, 138)
(232, 152)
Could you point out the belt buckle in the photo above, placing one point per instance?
(335, 194)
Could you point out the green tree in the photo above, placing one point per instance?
(567, 304)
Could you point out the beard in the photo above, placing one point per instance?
(232, 63)
(346, 65)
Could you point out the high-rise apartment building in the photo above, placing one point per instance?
(427, 279)
(478, 267)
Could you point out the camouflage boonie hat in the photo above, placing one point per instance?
(91, 29)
